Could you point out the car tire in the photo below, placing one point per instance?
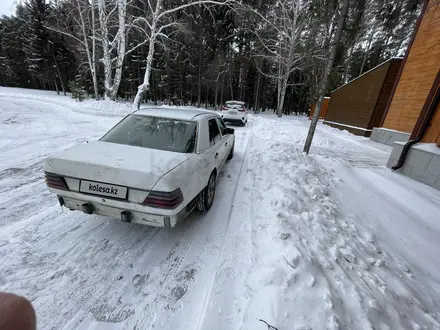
(231, 153)
(243, 123)
(207, 195)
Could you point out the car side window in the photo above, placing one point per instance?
(214, 132)
(222, 126)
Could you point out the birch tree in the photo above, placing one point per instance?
(112, 63)
(281, 38)
(95, 33)
(157, 26)
(76, 25)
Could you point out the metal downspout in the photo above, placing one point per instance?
(424, 125)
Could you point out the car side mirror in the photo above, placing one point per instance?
(230, 130)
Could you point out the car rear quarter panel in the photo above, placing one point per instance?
(191, 177)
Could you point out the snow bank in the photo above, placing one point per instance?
(312, 265)
(88, 106)
(105, 107)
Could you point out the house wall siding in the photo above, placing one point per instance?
(354, 103)
(418, 75)
(432, 134)
(385, 93)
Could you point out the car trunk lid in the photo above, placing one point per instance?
(111, 163)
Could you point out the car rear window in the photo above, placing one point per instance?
(234, 103)
(235, 106)
(154, 133)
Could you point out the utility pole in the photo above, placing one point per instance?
(328, 69)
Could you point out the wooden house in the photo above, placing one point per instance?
(413, 108)
(359, 105)
(417, 78)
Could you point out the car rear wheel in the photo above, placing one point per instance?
(206, 197)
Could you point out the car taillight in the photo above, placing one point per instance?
(242, 109)
(164, 200)
(55, 181)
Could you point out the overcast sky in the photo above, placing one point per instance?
(6, 7)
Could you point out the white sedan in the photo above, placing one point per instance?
(153, 168)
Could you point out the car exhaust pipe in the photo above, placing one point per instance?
(87, 208)
(60, 200)
(126, 216)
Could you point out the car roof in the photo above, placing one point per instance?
(175, 113)
(238, 102)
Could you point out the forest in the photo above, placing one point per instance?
(272, 54)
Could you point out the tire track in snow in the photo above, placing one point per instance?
(70, 236)
(23, 126)
(168, 268)
(202, 255)
(222, 260)
(81, 258)
(173, 289)
(106, 258)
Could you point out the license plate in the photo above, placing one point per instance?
(232, 112)
(103, 189)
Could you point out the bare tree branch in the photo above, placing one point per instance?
(66, 34)
(211, 2)
(165, 26)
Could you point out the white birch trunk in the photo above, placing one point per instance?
(90, 57)
(146, 83)
(153, 35)
(122, 13)
(106, 58)
(279, 84)
(93, 67)
(283, 89)
(157, 30)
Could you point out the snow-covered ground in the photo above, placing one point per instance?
(333, 240)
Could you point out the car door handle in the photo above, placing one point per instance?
(216, 155)
(226, 143)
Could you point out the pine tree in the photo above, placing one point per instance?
(36, 42)
(212, 55)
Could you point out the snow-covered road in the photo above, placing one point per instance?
(326, 241)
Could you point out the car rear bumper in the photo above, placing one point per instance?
(127, 212)
(233, 119)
